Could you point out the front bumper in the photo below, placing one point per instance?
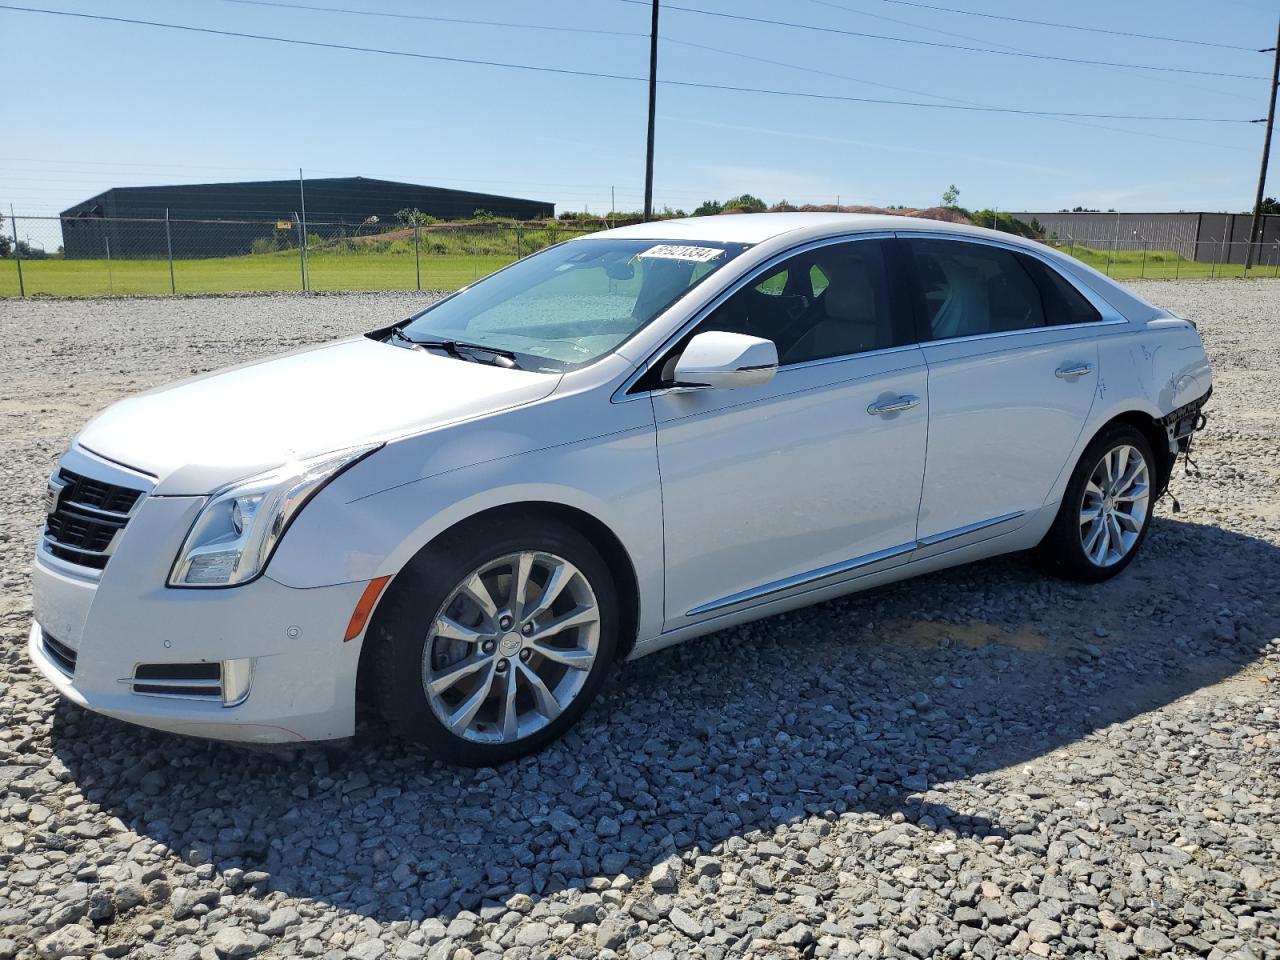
(301, 675)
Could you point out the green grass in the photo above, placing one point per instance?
(1157, 264)
(250, 273)
(455, 262)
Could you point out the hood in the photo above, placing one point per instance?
(200, 434)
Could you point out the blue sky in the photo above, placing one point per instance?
(92, 105)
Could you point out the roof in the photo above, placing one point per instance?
(309, 183)
(795, 228)
(756, 228)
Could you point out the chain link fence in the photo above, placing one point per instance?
(94, 257)
(1187, 260)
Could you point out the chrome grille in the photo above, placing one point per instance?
(85, 517)
(200, 680)
(62, 656)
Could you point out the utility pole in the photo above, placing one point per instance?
(653, 103)
(1256, 227)
(302, 228)
(17, 252)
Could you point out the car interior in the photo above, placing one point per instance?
(971, 290)
(830, 304)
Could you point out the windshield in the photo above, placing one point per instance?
(571, 304)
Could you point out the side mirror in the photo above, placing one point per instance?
(726, 360)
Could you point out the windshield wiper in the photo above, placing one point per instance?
(455, 348)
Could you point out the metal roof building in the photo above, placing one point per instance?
(1204, 237)
(131, 219)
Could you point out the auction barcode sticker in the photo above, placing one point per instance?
(671, 251)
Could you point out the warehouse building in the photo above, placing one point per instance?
(1205, 237)
(130, 221)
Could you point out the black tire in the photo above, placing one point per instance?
(1062, 551)
(393, 662)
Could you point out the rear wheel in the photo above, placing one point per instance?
(1106, 510)
(495, 639)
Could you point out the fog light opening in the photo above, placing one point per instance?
(237, 675)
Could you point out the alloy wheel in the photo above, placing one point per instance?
(511, 648)
(1114, 506)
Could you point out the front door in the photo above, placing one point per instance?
(814, 477)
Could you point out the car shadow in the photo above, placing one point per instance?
(910, 698)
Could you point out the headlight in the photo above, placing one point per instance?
(238, 529)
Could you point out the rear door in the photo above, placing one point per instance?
(1013, 371)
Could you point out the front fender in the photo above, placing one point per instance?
(612, 478)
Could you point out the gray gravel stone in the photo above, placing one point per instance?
(279, 921)
(72, 940)
(1150, 940)
(925, 942)
(611, 933)
(532, 934)
(234, 943)
(982, 763)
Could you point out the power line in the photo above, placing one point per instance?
(436, 19)
(987, 41)
(1066, 26)
(566, 71)
(926, 93)
(588, 30)
(951, 106)
(950, 46)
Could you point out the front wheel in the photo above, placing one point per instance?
(1106, 510)
(494, 639)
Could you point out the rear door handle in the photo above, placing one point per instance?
(1073, 371)
(896, 405)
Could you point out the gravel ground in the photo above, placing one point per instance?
(978, 763)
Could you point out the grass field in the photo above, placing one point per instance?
(250, 273)
(1158, 264)
(394, 269)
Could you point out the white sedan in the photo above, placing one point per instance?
(614, 445)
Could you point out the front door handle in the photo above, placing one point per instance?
(1073, 371)
(896, 405)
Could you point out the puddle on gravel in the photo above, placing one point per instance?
(973, 635)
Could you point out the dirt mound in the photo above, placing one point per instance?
(946, 214)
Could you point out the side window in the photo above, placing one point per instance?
(817, 279)
(967, 289)
(1063, 303)
(775, 284)
(828, 302)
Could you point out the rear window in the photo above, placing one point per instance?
(1063, 303)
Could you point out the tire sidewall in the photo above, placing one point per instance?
(1076, 561)
(401, 627)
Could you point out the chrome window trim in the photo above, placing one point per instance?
(844, 357)
(620, 395)
(804, 365)
(1092, 325)
(1110, 316)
